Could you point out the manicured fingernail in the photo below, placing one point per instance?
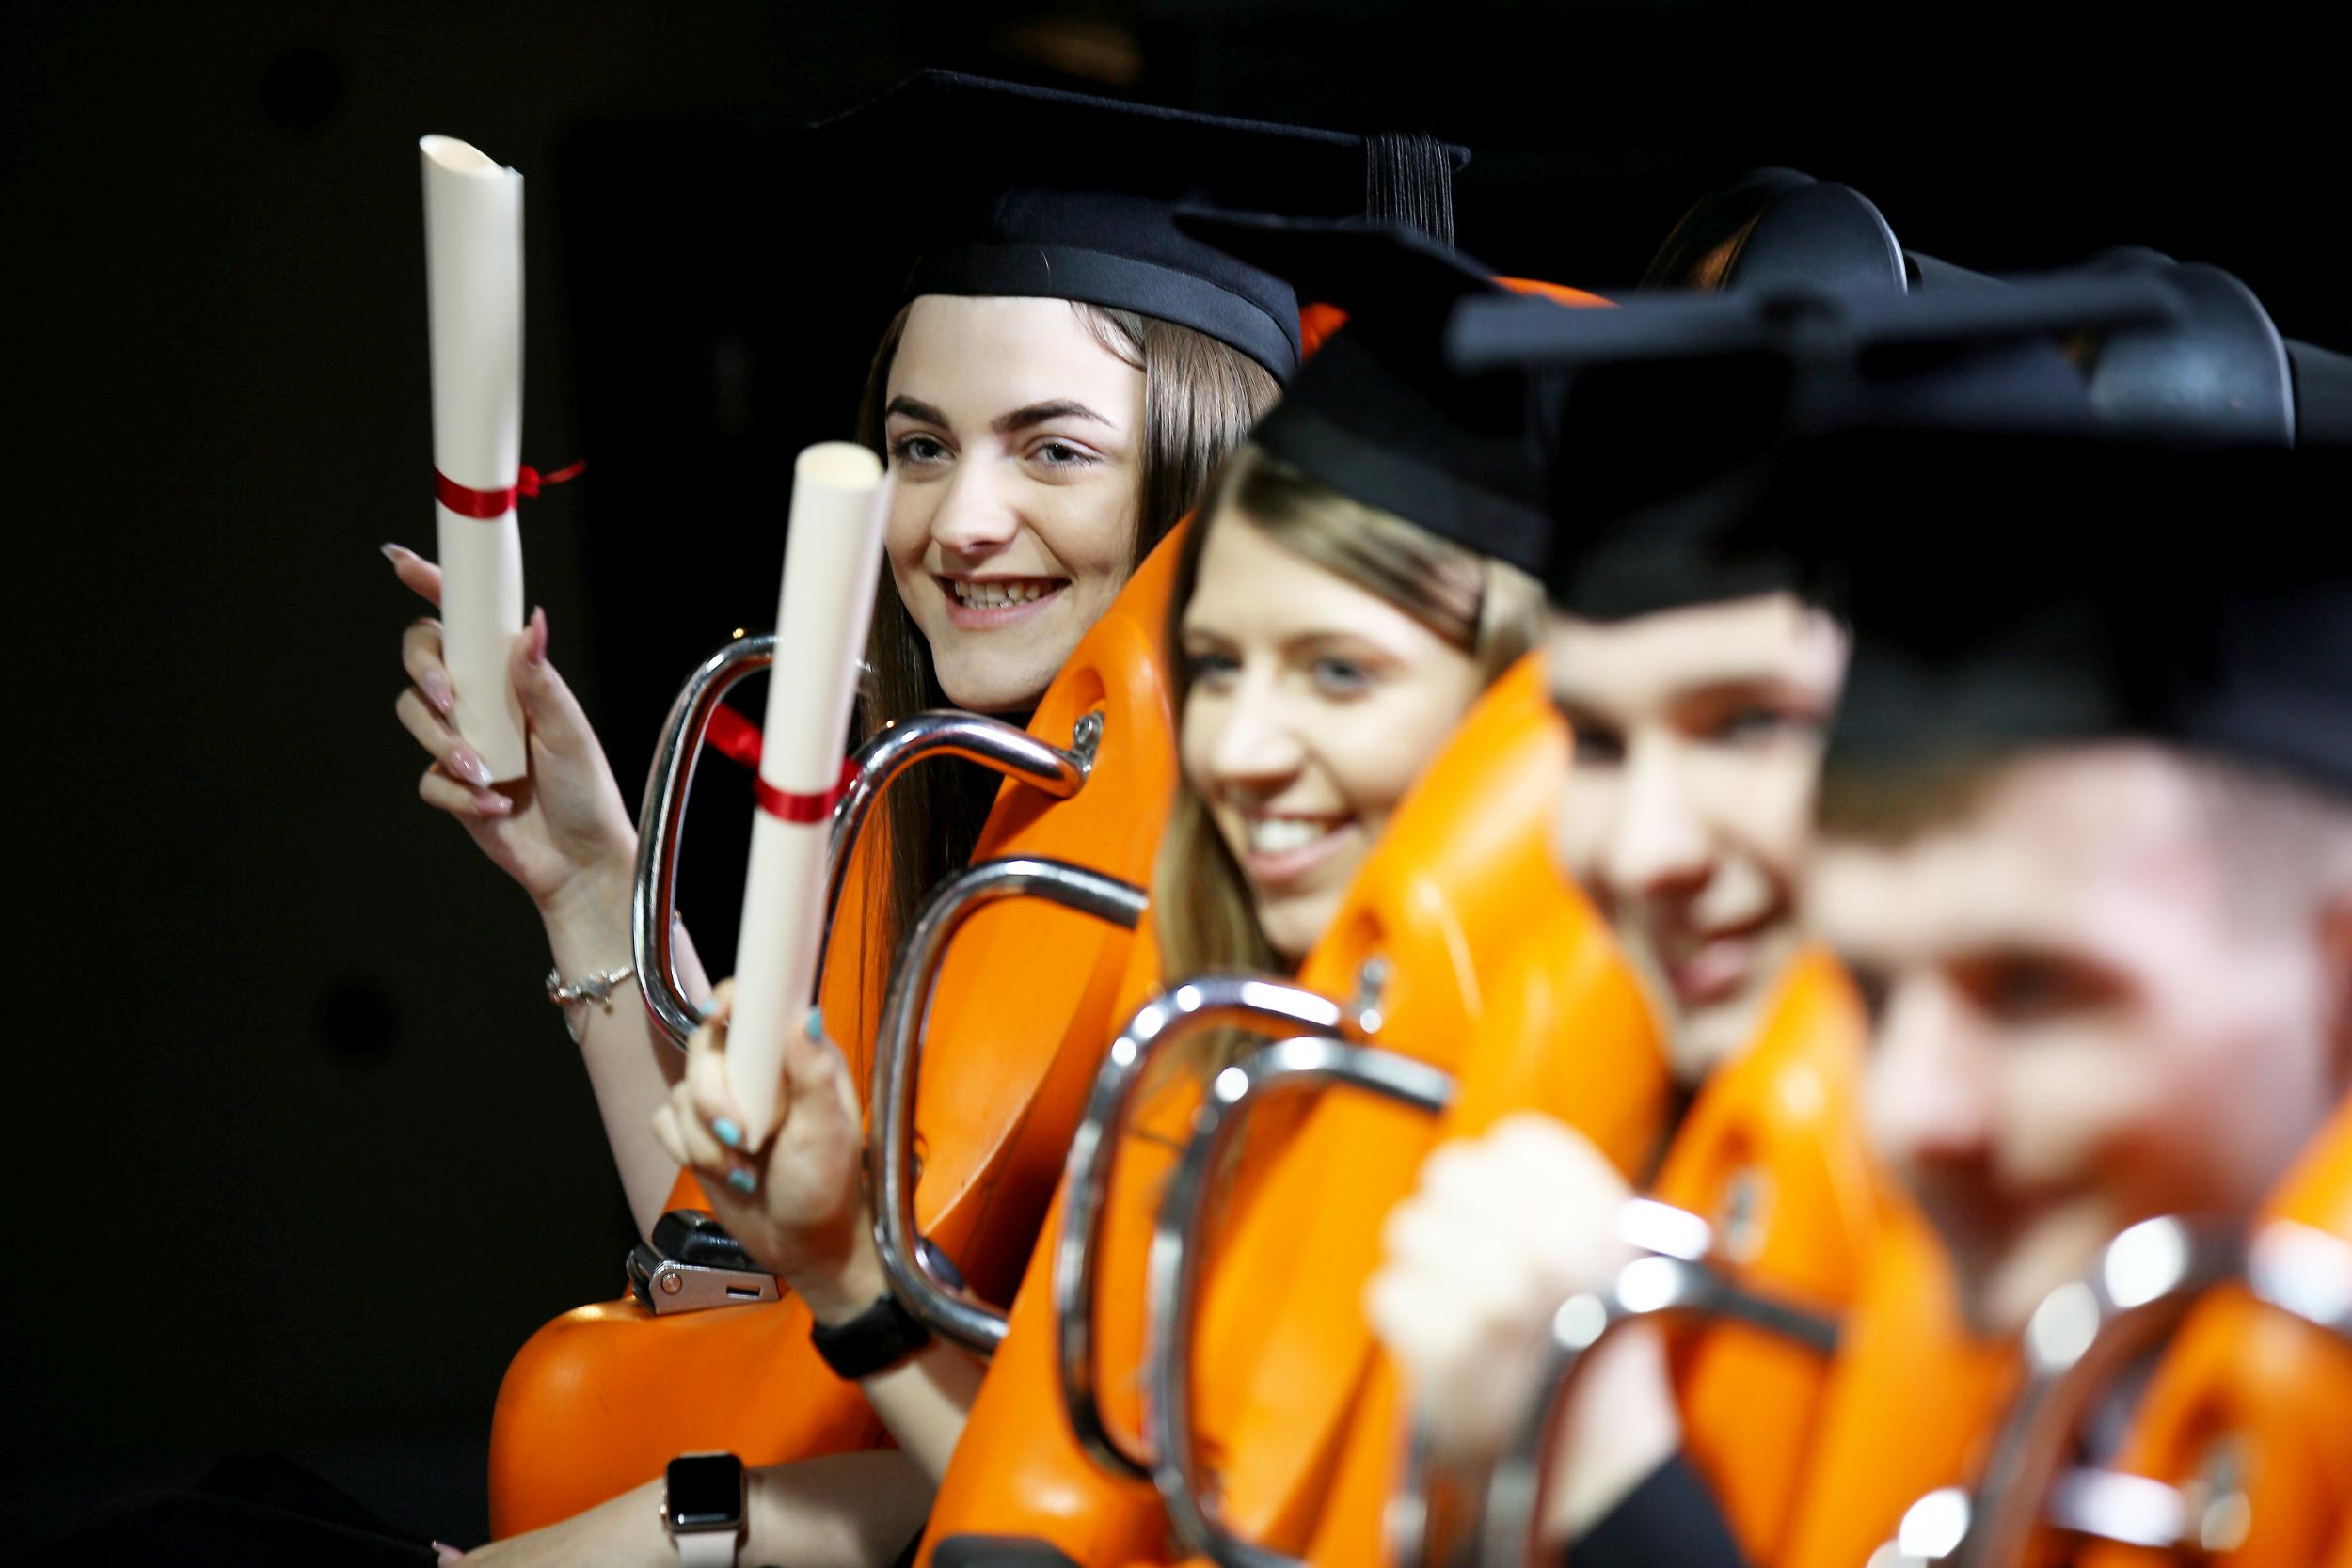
(536, 651)
(467, 764)
(490, 802)
(726, 1132)
(392, 552)
(742, 1181)
(816, 1025)
(447, 1552)
(435, 688)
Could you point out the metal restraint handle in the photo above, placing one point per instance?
(652, 897)
(1177, 1246)
(942, 1304)
(661, 820)
(1458, 1512)
(1180, 1013)
(2081, 1337)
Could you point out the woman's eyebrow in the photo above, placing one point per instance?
(916, 409)
(1038, 413)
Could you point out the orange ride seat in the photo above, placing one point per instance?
(1771, 1154)
(2250, 1413)
(1427, 939)
(2242, 1413)
(602, 1398)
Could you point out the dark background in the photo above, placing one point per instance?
(306, 1156)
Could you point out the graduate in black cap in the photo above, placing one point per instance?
(2086, 843)
(1698, 654)
(1360, 572)
(1063, 370)
(1360, 569)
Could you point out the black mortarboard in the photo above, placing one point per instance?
(1377, 414)
(994, 188)
(1672, 405)
(2052, 591)
(2218, 370)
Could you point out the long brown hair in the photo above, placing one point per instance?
(1202, 915)
(1200, 399)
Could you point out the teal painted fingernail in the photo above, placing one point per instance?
(742, 1181)
(816, 1025)
(728, 1133)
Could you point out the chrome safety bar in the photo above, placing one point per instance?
(661, 820)
(1180, 1013)
(1455, 1512)
(1176, 1245)
(2080, 1336)
(941, 1304)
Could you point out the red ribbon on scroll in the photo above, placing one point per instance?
(469, 502)
(803, 808)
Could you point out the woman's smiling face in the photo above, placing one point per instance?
(1314, 706)
(1013, 439)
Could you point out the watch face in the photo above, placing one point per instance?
(705, 1491)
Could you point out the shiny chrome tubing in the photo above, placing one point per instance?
(660, 823)
(1177, 1247)
(948, 732)
(661, 820)
(2079, 1339)
(2305, 1272)
(1460, 1512)
(941, 1304)
(1178, 1014)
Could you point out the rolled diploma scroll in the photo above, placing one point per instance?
(473, 289)
(830, 557)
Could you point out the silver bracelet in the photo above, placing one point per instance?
(596, 986)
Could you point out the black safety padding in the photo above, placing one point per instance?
(694, 1236)
(2322, 395)
(999, 1551)
(1776, 228)
(2220, 374)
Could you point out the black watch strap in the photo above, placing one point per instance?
(874, 1341)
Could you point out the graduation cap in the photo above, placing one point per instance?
(1772, 227)
(1377, 413)
(2055, 591)
(1670, 407)
(2218, 370)
(1088, 215)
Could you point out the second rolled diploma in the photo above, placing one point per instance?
(833, 554)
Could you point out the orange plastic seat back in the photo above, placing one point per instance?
(1443, 903)
(1018, 1469)
(1282, 1348)
(1910, 1404)
(600, 1400)
(1568, 1032)
(2251, 1406)
(1772, 1155)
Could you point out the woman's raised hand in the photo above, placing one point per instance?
(797, 1202)
(563, 831)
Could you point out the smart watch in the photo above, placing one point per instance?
(874, 1341)
(702, 1509)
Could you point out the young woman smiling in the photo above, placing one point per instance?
(1356, 578)
(1065, 372)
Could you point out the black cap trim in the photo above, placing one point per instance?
(1030, 271)
(1397, 482)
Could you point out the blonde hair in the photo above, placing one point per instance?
(1202, 915)
(1200, 399)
